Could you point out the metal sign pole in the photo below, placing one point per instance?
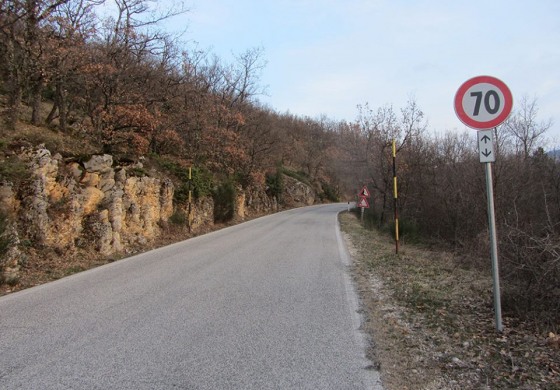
(395, 196)
(190, 216)
(493, 247)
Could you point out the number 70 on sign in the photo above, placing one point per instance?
(483, 102)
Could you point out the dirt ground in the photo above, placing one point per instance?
(431, 322)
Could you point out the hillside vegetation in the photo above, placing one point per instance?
(122, 87)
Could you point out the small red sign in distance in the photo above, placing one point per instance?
(363, 202)
(364, 193)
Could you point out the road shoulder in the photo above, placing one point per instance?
(430, 321)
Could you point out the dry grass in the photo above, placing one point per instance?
(431, 321)
(75, 143)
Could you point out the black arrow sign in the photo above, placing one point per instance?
(485, 139)
(486, 153)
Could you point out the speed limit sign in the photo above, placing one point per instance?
(483, 102)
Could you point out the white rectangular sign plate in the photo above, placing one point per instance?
(486, 146)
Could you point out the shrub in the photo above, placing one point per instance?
(13, 170)
(371, 218)
(275, 184)
(178, 218)
(299, 175)
(137, 172)
(530, 265)
(200, 184)
(408, 230)
(224, 202)
(330, 193)
(6, 240)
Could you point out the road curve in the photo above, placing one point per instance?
(266, 304)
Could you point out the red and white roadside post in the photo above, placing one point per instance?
(483, 103)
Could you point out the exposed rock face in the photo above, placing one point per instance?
(240, 211)
(8, 202)
(201, 213)
(296, 193)
(63, 199)
(257, 202)
(10, 262)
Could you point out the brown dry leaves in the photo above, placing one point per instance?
(431, 321)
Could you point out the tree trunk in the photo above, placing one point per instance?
(37, 88)
(13, 85)
(14, 100)
(62, 109)
(14, 104)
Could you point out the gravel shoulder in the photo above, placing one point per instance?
(431, 324)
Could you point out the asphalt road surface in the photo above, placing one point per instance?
(267, 304)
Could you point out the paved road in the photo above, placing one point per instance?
(267, 304)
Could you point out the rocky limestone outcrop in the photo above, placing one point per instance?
(8, 202)
(296, 193)
(67, 203)
(199, 214)
(10, 261)
(254, 202)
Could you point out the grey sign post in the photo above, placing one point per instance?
(483, 103)
(487, 156)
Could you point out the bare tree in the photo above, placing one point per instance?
(524, 128)
(243, 79)
(127, 75)
(379, 127)
(72, 26)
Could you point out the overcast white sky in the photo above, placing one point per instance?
(328, 56)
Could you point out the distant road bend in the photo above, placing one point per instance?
(266, 304)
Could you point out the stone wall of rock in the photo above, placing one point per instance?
(257, 202)
(68, 202)
(296, 193)
(10, 262)
(199, 214)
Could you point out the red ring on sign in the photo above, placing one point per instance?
(467, 120)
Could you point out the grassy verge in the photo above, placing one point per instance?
(431, 321)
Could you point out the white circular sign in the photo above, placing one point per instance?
(483, 102)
